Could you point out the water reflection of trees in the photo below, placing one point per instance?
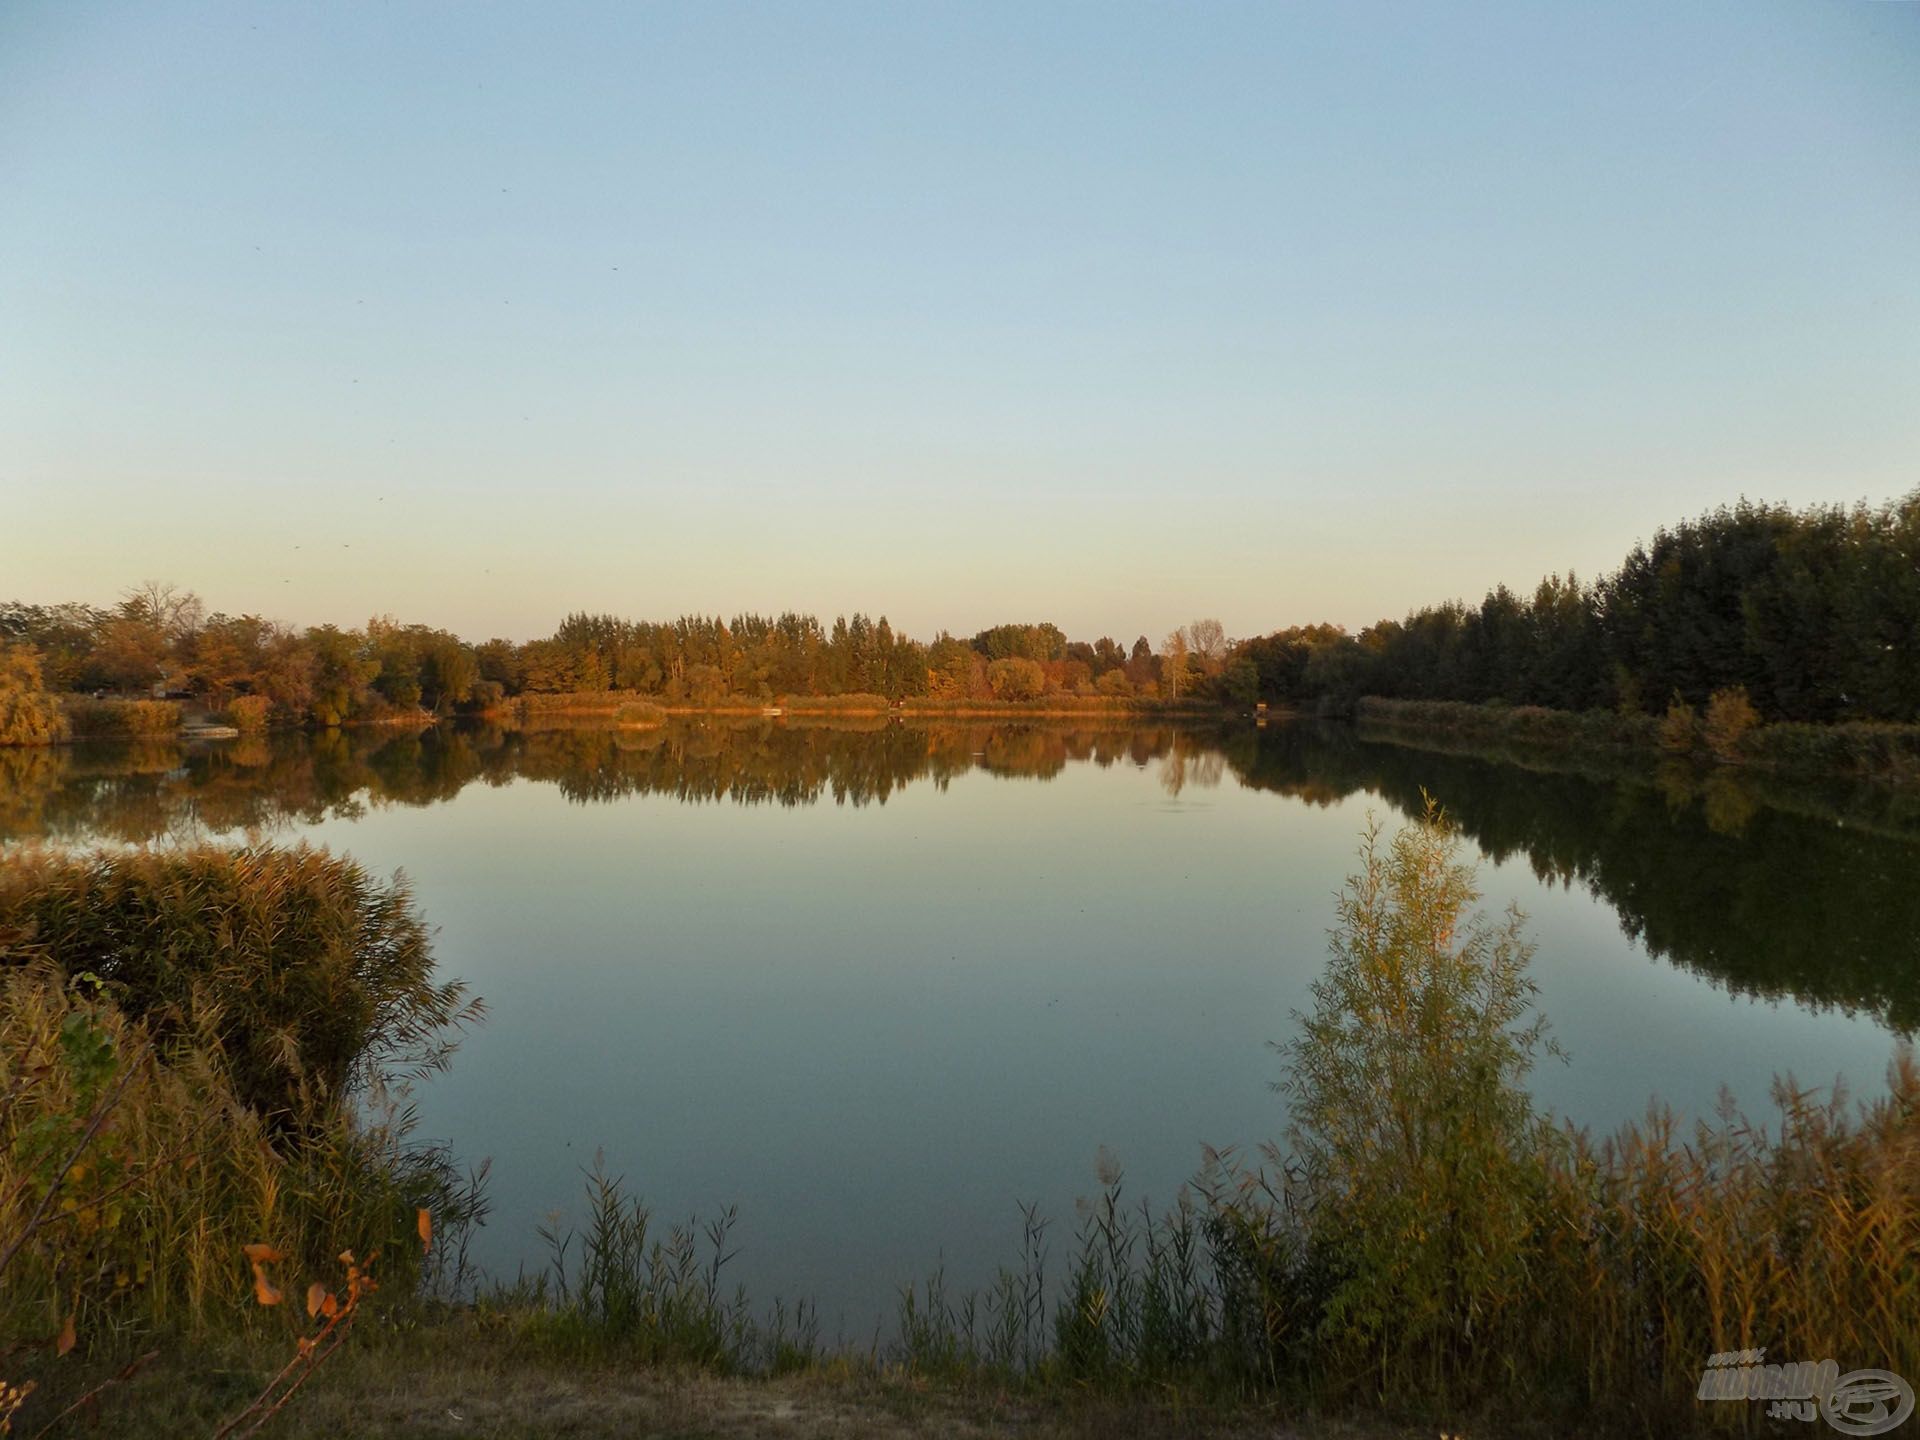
(1770, 899)
(1714, 873)
(136, 794)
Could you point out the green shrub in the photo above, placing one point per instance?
(180, 1037)
(29, 715)
(1414, 1140)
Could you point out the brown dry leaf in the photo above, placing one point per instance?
(425, 1227)
(264, 1290)
(68, 1337)
(262, 1254)
(329, 1307)
(316, 1297)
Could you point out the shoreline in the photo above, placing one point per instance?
(459, 1373)
(1872, 753)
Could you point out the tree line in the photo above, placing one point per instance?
(158, 641)
(1814, 613)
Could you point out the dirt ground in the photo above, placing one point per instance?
(486, 1390)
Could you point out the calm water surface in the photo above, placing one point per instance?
(877, 985)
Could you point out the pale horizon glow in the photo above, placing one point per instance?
(1113, 316)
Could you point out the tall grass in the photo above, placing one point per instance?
(197, 1051)
(653, 1294)
(150, 1219)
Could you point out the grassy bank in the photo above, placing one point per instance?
(1876, 753)
(458, 1376)
(610, 702)
(1116, 706)
(187, 1036)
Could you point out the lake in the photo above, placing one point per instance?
(877, 983)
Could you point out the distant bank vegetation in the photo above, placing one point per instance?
(1758, 613)
(1727, 730)
(76, 671)
(1811, 616)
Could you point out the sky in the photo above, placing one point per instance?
(1111, 315)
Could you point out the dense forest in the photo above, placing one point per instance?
(1815, 614)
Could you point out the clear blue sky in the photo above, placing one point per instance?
(1107, 314)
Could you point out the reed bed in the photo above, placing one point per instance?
(202, 1051)
(89, 719)
(151, 1219)
(1728, 733)
(1888, 753)
(574, 702)
(1058, 704)
(639, 715)
(851, 703)
(1528, 724)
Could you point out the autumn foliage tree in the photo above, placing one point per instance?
(28, 714)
